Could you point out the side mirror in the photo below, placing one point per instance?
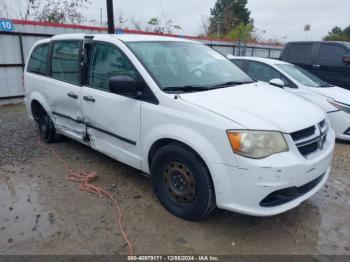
(125, 86)
(346, 59)
(277, 82)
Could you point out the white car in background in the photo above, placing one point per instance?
(332, 99)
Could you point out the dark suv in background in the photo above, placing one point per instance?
(329, 61)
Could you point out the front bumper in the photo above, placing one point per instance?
(242, 188)
(341, 124)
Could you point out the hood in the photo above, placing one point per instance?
(337, 93)
(259, 106)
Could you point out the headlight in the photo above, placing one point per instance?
(257, 144)
(340, 106)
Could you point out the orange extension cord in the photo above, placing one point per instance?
(85, 178)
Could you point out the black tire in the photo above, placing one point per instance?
(47, 129)
(198, 198)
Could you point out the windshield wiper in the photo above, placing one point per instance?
(231, 83)
(326, 85)
(198, 88)
(188, 88)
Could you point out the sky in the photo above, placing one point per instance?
(283, 20)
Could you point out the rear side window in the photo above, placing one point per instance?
(66, 61)
(300, 53)
(38, 62)
(331, 55)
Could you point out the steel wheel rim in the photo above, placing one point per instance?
(179, 182)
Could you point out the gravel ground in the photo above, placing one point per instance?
(41, 213)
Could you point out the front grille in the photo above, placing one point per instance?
(303, 133)
(308, 149)
(311, 139)
(322, 123)
(286, 195)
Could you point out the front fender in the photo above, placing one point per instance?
(183, 134)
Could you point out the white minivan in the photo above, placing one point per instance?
(203, 130)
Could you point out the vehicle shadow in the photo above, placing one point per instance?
(296, 231)
(222, 232)
(341, 141)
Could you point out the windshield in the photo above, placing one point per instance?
(302, 76)
(187, 66)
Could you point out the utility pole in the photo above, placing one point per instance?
(110, 16)
(101, 24)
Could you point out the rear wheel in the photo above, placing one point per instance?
(182, 182)
(47, 129)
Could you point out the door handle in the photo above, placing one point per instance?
(72, 95)
(89, 98)
(316, 66)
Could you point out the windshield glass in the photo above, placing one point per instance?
(187, 65)
(302, 76)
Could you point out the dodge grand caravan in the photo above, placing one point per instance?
(203, 130)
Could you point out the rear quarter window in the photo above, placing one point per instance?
(38, 61)
(300, 53)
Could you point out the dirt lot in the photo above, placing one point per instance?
(41, 213)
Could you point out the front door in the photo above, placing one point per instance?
(113, 121)
(330, 65)
(64, 88)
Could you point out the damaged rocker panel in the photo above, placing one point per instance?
(88, 125)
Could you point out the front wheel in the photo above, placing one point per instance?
(182, 182)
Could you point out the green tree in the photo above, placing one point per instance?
(227, 14)
(338, 34)
(242, 32)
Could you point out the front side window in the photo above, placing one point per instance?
(239, 63)
(66, 61)
(262, 72)
(107, 62)
(38, 62)
(302, 76)
(186, 65)
(330, 55)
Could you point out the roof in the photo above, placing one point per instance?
(258, 59)
(311, 42)
(122, 37)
